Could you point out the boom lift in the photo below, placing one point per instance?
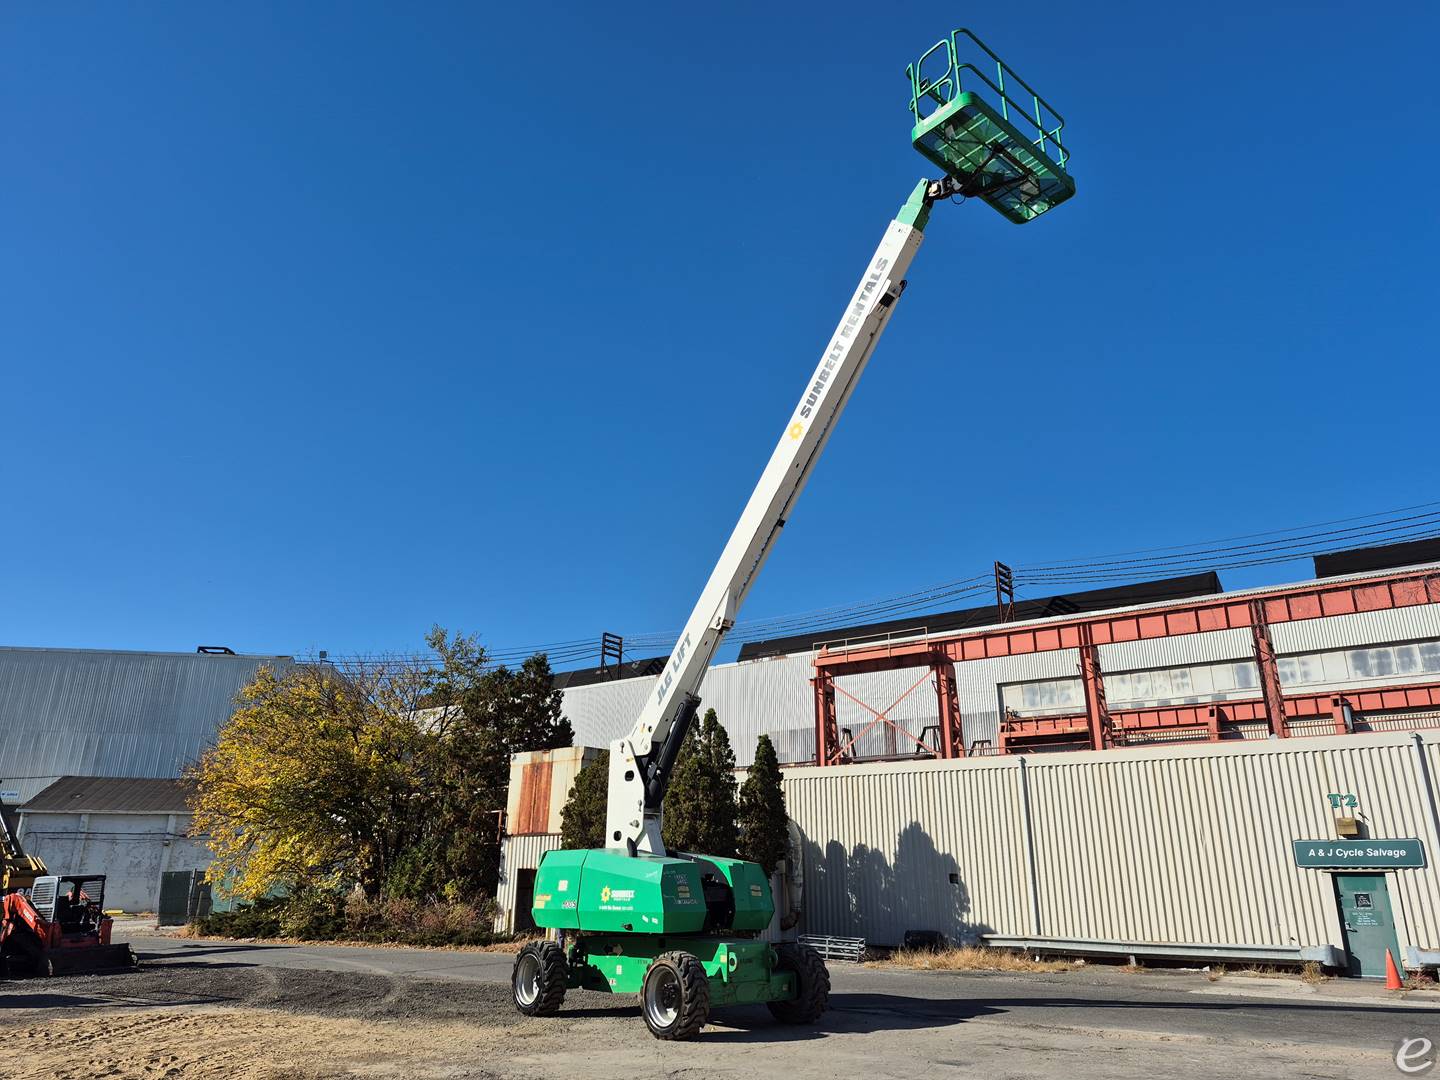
(679, 928)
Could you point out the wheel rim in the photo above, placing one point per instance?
(662, 997)
(527, 979)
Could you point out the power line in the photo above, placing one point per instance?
(1270, 548)
(1258, 557)
(1272, 532)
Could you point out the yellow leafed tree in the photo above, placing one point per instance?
(312, 781)
(390, 776)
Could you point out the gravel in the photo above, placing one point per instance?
(348, 995)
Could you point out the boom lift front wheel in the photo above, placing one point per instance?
(675, 997)
(538, 979)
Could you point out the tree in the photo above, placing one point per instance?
(700, 803)
(391, 776)
(764, 824)
(491, 712)
(310, 782)
(582, 818)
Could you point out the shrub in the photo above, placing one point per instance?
(260, 919)
(328, 916)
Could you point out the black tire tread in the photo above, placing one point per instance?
(694, 996)
(813, 985)
(554, 975)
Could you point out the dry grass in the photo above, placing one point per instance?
(512, 946)
(968, 958)
(1311, 973)
(1420, 980)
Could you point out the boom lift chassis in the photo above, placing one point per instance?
(632, 918)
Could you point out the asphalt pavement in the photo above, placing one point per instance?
(1339, 1013)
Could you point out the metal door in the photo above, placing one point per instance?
(524, 901)
(1367, 922)
(184, 896)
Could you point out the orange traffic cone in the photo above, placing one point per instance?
(1392, 974)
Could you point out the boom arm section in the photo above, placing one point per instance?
(641, 762)
(17, 870)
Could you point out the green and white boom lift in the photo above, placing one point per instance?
(682, 929)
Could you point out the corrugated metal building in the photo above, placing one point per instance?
(1366, 650)
(1173, 850)
(1186, 848)
(1179, 841)
(91, 745)
(93, 712)
(134, 831)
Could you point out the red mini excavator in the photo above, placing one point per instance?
(49, 924)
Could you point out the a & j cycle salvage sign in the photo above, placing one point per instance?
(1359, 854)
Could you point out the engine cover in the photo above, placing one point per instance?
(607, 891)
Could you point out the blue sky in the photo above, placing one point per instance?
(322, 323)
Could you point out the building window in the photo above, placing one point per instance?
(1371, 662)
(1197, 683)
(1047, 696)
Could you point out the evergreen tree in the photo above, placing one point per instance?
(764, 824)
(700, 804)
(582, 819)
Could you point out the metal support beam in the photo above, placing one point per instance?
(1269, 671)
(952, 736)
(1097, 714)
(881, 716)
(1339, 707)
(1305, 714)
(827, 731)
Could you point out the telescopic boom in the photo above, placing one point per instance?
(642, 761)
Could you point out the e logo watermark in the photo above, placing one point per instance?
(1415, 1056)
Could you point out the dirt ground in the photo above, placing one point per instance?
(178, 1018)
(249, 1023)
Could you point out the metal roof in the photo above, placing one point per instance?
(111, 795)
(1380, 557)
(1204, 583)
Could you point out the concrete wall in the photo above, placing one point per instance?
(131, 850)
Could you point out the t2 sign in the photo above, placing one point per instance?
(1344, 799)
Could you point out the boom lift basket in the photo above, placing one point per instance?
(1003, 150)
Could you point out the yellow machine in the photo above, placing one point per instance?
(17, 870)
(52, 925)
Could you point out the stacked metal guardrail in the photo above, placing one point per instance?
(849, 949)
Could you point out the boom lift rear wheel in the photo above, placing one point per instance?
(675, 997)
(538, 979)
(812, 985)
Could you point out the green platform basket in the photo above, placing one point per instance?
(997, 148)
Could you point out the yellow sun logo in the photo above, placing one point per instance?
(605, 895)
(797, 429)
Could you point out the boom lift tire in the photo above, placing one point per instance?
(812, 985)
(675, 997)
(538, 979)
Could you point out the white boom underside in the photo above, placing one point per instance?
(631, 824)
